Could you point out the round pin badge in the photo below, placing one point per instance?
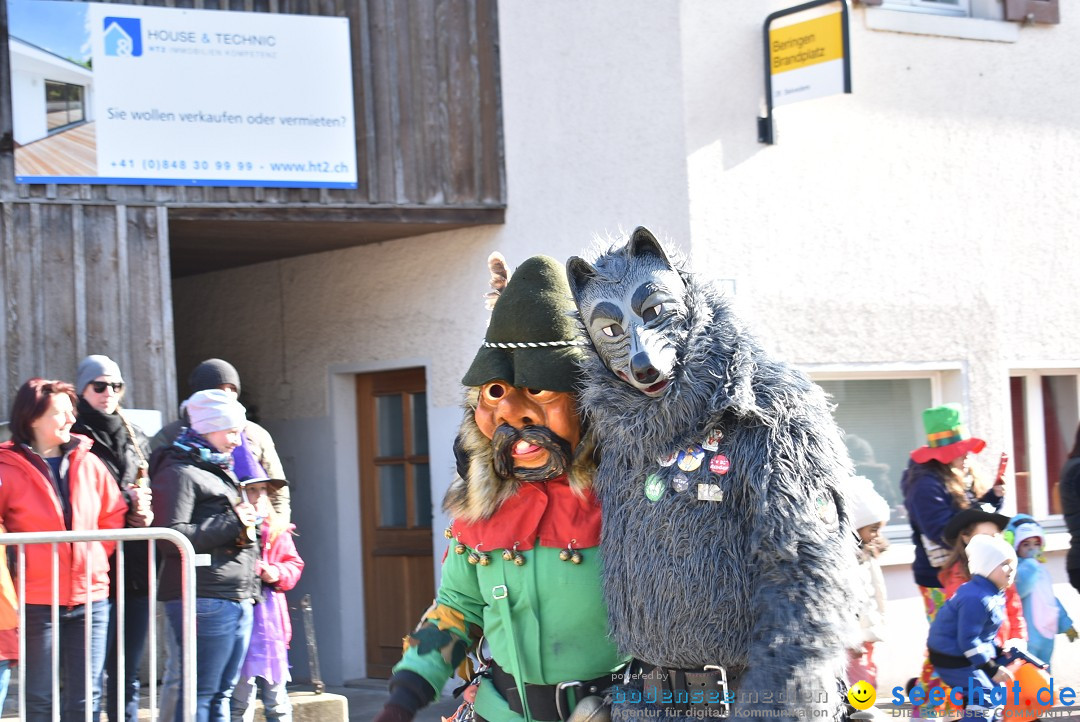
(654, 487)
(667, 460)
(719, 464)
(690, 459)
(680, 482)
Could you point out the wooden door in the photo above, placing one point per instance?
(395, 510)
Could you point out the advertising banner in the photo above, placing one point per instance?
(128, 94)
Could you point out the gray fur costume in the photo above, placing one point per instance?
(755, 582)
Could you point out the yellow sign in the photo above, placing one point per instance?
(807, 43)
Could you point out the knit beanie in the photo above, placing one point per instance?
(215, 410)
(212, 373)
(93, 366)
(986, 553)
(867, 506)
(1027, 530)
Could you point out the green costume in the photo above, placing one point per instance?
(523, 571)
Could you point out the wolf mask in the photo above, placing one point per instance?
(724, 533)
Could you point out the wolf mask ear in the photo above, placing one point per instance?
(644, 243)
(579, 272)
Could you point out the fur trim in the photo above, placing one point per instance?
(758, 582)
(480, 494)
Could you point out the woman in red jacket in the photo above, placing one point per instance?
(50, 482)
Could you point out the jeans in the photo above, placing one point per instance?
(5, 677)
(170, 679)
(136, 625)
(40, 638)
(275, 699)
(222, 632)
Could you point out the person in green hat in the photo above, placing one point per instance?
(523, 570)
(938, 484)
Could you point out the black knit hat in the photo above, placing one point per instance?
(212, 373)
(532, 340)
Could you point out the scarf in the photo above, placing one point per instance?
(196, 443)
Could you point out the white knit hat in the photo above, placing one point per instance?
(985, 553)
(867, 506)
(215, 410)
(1027, 530)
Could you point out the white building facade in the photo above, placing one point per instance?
(908, 245)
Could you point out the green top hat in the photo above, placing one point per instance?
(946, 436)
(532, 340)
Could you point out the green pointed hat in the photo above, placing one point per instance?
(946, 436)
(532, 340)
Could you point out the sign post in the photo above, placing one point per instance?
(804, 59)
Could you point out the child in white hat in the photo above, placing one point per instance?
(1045, 616)
(961, 640)
(869, 512)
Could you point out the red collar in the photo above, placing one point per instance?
(548, 510)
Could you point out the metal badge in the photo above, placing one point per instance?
(709, 492)
(691, 458)
(681, 482)
(668, 460)
(654, 487)
(712, 441)
(719, 464)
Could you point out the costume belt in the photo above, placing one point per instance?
(548, 702)
(948, 661)
(702, 690)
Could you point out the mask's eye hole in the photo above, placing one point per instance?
(541, 394)
(612, 330)
(652, 312)
(493, 391)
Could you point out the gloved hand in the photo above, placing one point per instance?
(1071, 634)
(392, 713)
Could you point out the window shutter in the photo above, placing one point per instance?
(1040, 11)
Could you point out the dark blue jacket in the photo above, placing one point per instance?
(969, 621)
(930, 507)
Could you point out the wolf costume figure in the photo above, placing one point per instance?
(726, 545)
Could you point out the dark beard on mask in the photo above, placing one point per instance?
(506, 438)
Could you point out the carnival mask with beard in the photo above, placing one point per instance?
(505, 440)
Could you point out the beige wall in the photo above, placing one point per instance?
(925, 218)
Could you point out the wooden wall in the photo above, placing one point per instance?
(78, 279)
(86, 268)
(427, 108)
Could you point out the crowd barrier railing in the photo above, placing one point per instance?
(121, 536)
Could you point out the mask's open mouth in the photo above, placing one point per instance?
(656, 388)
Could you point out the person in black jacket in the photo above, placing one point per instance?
(124, 450)
(197, 494)
(1069, 488)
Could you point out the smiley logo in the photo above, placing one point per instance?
(861, 695)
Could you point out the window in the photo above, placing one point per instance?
(63, 104)
(880, 413)
(956, 8)
(1044, 407)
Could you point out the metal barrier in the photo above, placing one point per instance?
(187, 597)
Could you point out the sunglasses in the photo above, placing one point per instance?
(100, 386)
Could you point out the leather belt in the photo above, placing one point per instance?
(548, 702)
(703, 690)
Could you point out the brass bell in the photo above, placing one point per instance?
(519, 559)
(576, 557)
(449, 532)
(507, 555)
(474, 558)
(485, 559)
(565, 555)
(459, 548)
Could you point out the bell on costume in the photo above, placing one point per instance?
(569, 554)
(460, 548)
